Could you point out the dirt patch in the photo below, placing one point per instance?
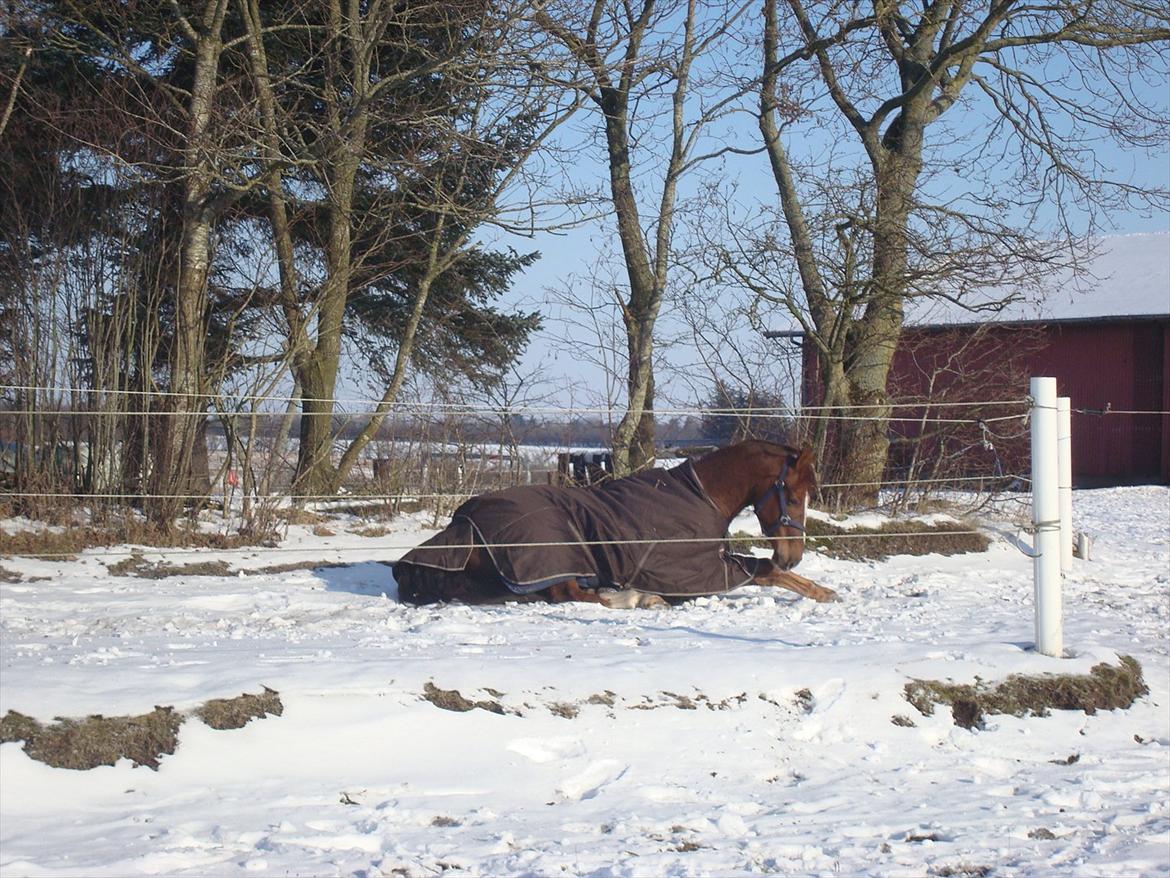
(682, 702)
(235, 713)
(895, 538)
(96, 740)
(452, 699)
(72, 541)
(82, 744)
(293, 515)
(564, 709)
(877, 544)
(295, 565)
(373, 531)
(962, 870)
(138, 566)
(7, 575)
(1105, 687)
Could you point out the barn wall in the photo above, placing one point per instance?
(1121, 364)
(1166, 401)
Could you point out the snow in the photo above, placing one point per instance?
(1127, 276)
(693, 750)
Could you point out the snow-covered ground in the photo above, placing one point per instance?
(634, 742)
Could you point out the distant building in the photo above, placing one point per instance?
(1104, 336)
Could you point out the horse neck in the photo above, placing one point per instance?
(732, 476)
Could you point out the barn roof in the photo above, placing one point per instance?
(1128, 276)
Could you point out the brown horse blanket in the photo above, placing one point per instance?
(538, 535)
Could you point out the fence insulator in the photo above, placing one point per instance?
(1046, 518)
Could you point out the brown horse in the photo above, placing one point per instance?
(655, 537)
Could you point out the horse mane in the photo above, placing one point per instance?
(764, 445)
(714, 467)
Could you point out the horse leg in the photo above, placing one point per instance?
(570, 590)
(774, 576)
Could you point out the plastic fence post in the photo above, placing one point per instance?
(1046, 518)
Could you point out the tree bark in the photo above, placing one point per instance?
(173, 469)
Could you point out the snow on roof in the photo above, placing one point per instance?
(1128, 276)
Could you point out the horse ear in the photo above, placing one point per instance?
(805, 458)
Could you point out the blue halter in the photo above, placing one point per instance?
(785, 520)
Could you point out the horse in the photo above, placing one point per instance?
(652, 539)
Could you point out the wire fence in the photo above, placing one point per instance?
(229, 498)
(228, 405)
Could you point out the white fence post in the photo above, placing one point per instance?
(1046, 518)
(1064, 461)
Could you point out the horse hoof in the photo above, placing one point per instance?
(652, 602)
(629, 599)
(827, 596)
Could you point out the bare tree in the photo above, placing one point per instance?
(888, 75)
(626, 56)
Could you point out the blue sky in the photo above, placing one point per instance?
(567, 256)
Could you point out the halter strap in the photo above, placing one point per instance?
(785, 520)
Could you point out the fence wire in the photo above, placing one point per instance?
(319, 550)
(464, 408)
(230, 499)
(408, 496)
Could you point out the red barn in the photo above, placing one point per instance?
(1104, 336)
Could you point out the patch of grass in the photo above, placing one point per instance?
(564, 709)
(74, 540)
(373, 531)
(82, 744)
(1105, 687)
(7, 575)
(877, 544)
(962, 870)
(235, 713)
(96, 740)
(741, 542)
(682, 702)
(138, 566)
(293, 515)
(294, 565)
(452, 699)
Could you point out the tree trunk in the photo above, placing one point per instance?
(316, 367)
(866, 441)
(633, 442)
(173, 475)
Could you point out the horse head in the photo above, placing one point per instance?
(782, 503)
